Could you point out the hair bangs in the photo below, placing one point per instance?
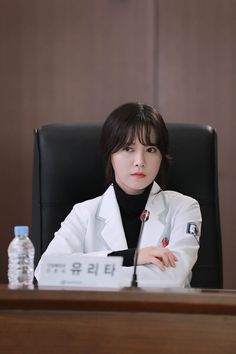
(146, 133)
(143, 130)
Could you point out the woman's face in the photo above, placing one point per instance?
(136, 166)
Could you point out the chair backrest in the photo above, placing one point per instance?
(68, 168)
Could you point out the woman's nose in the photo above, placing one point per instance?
(139, 160)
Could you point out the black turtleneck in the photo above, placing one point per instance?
(131, 207)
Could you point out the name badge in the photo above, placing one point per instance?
(80, 271)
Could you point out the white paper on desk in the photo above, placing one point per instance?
(74, 270)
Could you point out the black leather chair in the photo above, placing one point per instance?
(68, 168)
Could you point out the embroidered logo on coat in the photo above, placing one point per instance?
(192, 229)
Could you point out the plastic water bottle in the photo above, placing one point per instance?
(21, 258)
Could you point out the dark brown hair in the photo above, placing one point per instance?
(124, 124)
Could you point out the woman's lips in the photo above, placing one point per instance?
(138, 175)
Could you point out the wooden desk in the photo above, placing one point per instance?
(127, 321)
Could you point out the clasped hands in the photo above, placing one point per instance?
(162, 257)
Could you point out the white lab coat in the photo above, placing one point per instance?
(94, 228)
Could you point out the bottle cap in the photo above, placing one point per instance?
(21, 230)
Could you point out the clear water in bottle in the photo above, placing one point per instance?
(21, 258)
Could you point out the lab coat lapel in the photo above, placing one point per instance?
(154, 226)
(109, 215)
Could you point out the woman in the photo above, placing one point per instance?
(134, 141)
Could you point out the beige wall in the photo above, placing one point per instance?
(75, 60)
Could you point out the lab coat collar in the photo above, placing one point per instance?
(109, 214)
(154, 226)
(112, 229)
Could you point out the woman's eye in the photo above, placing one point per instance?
(152, 149)
(128, 148)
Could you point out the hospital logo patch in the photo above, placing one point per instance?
(192, 229)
